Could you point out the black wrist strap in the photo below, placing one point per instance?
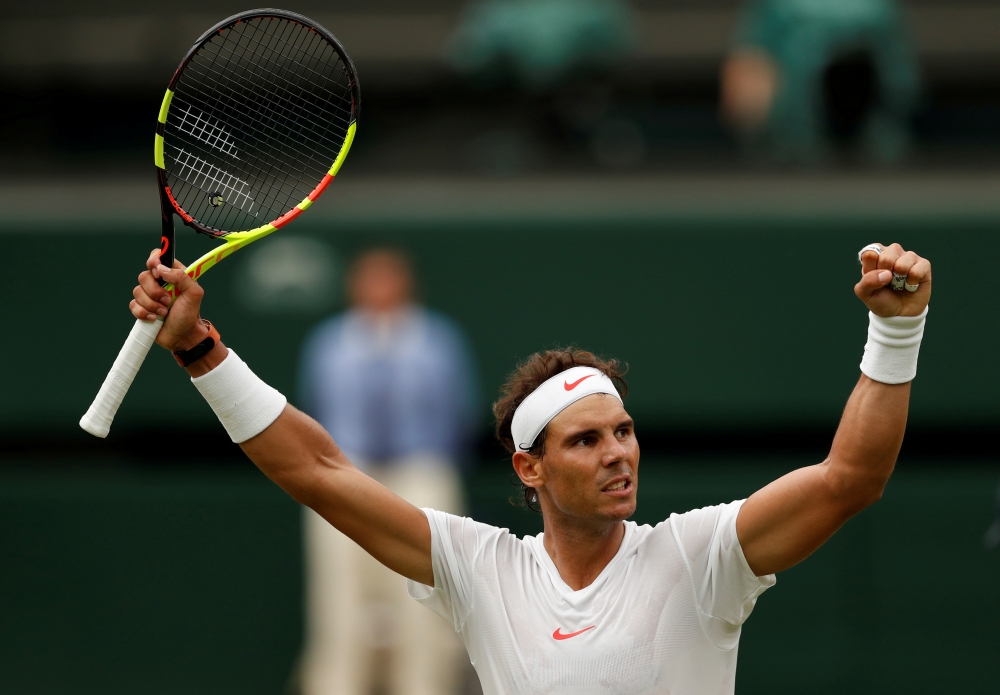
(192, 355)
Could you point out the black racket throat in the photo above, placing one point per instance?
(167, 233)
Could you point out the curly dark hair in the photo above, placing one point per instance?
(527, 377)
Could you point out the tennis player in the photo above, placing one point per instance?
(595, 604)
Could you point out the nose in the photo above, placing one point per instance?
(614, 453)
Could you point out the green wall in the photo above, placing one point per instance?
(127, 581)
(122, 580)
(724, 323)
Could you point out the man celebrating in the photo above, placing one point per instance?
(595, 604)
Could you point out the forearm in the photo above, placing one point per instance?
(296, 453)
(871, 430)
(867, 442)
(299, 456)
(293, 450)
(783, 523)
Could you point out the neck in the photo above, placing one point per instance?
(581, 551)
(386, 314)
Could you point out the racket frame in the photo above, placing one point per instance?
(98, 418)
(234, 241)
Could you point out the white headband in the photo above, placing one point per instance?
(553, 397)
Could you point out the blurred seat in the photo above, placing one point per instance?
(808, 79)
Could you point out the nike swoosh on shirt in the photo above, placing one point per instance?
(558, 634)
(569, 387)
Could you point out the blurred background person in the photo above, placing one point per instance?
(807, 78)
(393, 383)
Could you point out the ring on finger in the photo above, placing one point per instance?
(877, 248)
(898, 281)
(911, 288)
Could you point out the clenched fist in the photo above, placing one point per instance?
(876, 275)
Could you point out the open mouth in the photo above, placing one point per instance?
(620, 487)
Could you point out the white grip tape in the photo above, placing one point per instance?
(99, 417)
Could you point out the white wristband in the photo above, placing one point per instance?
(246, 406)
(892, 347)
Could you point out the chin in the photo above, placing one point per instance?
(620, 511)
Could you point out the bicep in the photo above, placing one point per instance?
(783, 523)
(302, 458)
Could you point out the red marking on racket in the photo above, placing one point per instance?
(287, 217)
(173, 201)
(320, 187)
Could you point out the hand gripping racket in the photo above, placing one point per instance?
(256, 122)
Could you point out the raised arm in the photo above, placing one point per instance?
(783, 523)
(293, 450)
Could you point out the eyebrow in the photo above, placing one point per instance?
(580, 434)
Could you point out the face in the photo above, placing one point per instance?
(589, 470)
(381, 282)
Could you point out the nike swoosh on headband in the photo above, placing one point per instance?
(569, 387)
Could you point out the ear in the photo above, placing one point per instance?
(528, 468)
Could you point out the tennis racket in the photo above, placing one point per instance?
(256, 122)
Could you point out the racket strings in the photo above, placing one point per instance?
(260, 113)
(257, 66)
(252, 166)
(256, 94)
(206, 176)
(329, 151)
(199, 125)
(343, 81)
(292, 117)
(337, 67)
(307, 37)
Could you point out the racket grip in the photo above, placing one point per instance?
(98, 418)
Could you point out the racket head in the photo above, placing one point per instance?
(255, 124)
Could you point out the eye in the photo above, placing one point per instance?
(624, 432)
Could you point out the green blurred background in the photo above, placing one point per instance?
(159, 561)
(726, 322)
